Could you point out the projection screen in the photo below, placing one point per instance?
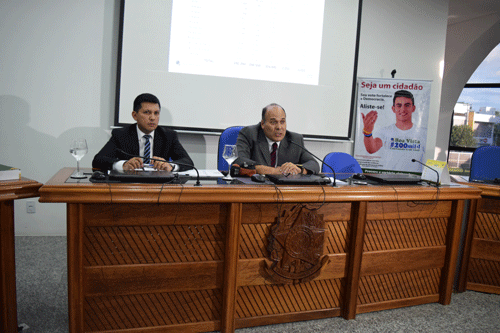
(216, 63)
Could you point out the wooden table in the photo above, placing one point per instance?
(480, 265)
(181, 258)
(10, 191)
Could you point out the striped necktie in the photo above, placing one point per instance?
(147, 149)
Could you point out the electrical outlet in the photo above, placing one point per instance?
(30, 207)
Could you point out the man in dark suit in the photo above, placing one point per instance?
(257, 144)
(132, 140)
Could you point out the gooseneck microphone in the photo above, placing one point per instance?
(157, 159)
(425, 165)
(334, 178)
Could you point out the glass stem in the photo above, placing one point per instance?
(78, 167)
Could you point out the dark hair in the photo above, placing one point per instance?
(264, 110)
(403, 93)
(146, 97)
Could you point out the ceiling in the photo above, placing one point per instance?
(464, 10)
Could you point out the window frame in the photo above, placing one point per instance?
(468, 85)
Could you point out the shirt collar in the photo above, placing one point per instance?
(140, 134)
(270, 143)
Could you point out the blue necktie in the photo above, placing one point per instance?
(147, 149)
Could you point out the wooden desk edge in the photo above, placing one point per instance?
(18, 189)
(57, 190)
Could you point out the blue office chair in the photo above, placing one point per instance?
(343, 164)
(485, 164)
(228, 137)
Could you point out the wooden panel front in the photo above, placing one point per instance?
(10, 190)
(8, 304)
(180, 258)
(484, 262)
(151, 265)
(168, 310)
(403, 253)
(261, 302)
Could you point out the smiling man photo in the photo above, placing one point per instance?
(399, 142)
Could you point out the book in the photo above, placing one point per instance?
(9, 173)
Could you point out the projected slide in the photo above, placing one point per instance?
(254, 39)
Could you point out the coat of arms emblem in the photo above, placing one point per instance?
(295, 247)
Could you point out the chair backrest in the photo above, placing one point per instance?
(343, 164)
(485, 163)
(228, 137)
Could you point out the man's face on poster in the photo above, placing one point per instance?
(403, 108)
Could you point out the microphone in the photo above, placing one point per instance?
(425, 165)
(334, 178)
(157, 159)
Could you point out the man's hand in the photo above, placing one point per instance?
(136, 163)
(289, 169)
(369, 121)
(161, 164)
(372, 144)
(133, 163)
(286, 169)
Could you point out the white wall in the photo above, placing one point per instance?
(56, 84)
(467, 44)
(57, 81)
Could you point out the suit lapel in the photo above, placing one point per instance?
(282, 152)
(264, 147)
(157, 143)
(135, 142)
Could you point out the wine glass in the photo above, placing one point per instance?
(230, 154)
(78, 149)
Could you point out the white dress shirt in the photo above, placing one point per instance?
(118, 166)
(270, 146)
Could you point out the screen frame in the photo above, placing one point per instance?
(218, 131)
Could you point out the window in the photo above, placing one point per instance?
(476, 117)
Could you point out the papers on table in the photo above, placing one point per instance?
(204, 173)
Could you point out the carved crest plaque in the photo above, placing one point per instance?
(295, 247)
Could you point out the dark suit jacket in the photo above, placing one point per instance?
(165, 144)
(254, 150)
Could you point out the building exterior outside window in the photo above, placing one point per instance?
(476, 116)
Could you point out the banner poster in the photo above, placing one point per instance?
(391, 126)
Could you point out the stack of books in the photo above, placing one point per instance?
(9, 173)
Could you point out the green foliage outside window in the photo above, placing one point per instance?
(462, 136)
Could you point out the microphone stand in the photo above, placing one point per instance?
(157, 159)
(334, 177)
(425, 165)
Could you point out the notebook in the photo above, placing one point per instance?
(159, 177)
(298, 180)
(393, 178)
